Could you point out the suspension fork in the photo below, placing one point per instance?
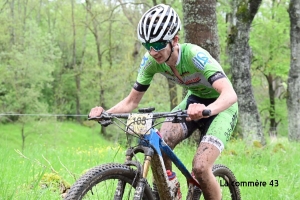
(139, 190)
(142, 172)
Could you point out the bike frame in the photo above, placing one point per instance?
(152, 145)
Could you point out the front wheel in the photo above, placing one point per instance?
(108, 181)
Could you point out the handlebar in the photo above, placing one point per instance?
(178, 113)
(206, 113)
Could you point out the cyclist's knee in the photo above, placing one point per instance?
(201, 169)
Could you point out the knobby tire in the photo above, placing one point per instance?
(88, 186)
(223, 172)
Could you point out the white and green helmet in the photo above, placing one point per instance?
(160, 23)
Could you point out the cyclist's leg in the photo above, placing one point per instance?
(218, 131)
(174, 133)
(202, 168)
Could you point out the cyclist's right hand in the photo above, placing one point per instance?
(96, 112)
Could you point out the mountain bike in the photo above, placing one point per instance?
(130, 179)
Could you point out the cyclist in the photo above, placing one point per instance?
(208, 88)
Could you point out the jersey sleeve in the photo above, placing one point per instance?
(145, 74)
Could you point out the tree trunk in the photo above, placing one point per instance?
(240, 61)
(293, 99)
(272, 117)
(200, 25)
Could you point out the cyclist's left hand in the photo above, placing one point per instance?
(96, 112)
(195, 111)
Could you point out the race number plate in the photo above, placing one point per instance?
(139, 123)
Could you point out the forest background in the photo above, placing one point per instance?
(58, 59)
(65, 57)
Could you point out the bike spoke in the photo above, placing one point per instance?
(107, 189)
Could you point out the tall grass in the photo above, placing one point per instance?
(56, 154)
(276, 164)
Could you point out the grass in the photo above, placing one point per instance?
(276, 164)
(56, 154)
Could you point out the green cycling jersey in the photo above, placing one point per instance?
(197, 68)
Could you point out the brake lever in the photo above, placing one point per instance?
(180, 117)
(105, 123)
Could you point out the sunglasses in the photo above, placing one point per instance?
(156, 46)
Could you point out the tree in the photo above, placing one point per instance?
(270, 44)
(240, 60)
(96, 22)
(26, 71)
(293, 100)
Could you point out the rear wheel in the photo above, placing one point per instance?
(226, 180)
(106, 182)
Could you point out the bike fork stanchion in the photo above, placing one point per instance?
(139, 190)
(146, 166)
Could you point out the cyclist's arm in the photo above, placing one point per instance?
(227, 96)
(129, 103)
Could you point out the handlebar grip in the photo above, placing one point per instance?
(206, 113)
(103, 116)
